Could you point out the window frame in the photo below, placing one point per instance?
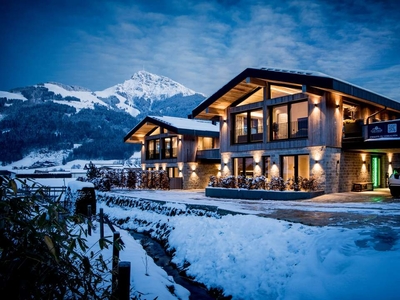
(289, 124)
(295, 167)
(248, 127)
(245, 161)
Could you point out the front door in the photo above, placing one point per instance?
(376, 171)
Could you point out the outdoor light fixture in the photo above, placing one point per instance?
(273, 163)
(315, 105)
(225, 164)
(224, 120)
(337, 106)
(316, 161)
(364, 162)
(256, 163)
(390, 162)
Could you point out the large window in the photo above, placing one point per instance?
(280, 122)
(169, 148)
(153, 149)
(266, 167)
(299, 119)
(294, 166)
(281, 91)
(172, 172)
(205, 143)
(248, 127)
(290, 121)
(243, 166)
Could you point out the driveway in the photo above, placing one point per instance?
(350, 209)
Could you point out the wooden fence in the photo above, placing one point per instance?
(120, 270)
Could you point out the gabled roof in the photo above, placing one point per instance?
(252, 79)
(172, 124)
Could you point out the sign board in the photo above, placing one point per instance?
(384, 130)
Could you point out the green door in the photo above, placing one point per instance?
(376, 171)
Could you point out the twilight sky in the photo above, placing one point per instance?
(200, 44)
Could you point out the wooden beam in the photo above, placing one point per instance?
(214, 111)
(311, 90)
(134, 139)
(256, 81)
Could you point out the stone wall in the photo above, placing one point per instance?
(328, 173)
(352, 169)
(200, 177)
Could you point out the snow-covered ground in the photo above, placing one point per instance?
(252, 257)
(148, 281)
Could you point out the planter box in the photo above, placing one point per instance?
(259, 194)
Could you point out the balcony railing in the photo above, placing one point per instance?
(208, 154)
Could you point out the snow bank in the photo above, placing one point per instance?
(251, 257)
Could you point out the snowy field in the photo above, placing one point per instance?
(251, 257)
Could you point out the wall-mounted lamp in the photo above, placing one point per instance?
(315, 105)
(180, 170)
(273, 163)
(225, 164)
(180, 139)
(390, 162)
(224, 120)
(364, 162)
(317, 162)
(256, 163)
(193, 170)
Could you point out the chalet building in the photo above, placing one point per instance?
(295, 124)
(187, 149)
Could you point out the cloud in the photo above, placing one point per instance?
(204, 44)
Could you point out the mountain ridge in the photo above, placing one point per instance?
(130, 96)
(56, 116)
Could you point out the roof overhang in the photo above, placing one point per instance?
(150, 124)
(250, 79)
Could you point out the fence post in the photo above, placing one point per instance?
(101, 224)
(115, 259)
(89, 216)
(124, 280)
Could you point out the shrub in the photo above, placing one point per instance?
(43, 250)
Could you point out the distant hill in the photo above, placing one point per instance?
(56, 116)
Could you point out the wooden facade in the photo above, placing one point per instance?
(315, 111)
(174, 145)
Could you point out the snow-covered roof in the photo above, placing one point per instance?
(189, 124)
(173, 124)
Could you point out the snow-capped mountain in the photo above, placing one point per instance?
(57, 116)
(149, 86)
(134, 96)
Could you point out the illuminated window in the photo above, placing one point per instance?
(243, 166)
(248, 127)
(205, 143)
(281, 91)
(294, 166)
(289, 121)
(266, 167)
